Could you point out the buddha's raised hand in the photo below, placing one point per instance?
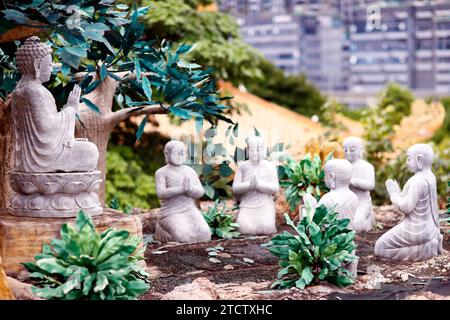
(187, 185)
(74, 97)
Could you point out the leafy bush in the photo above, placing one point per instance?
(86, 265)
(127, 182)
(379, 121)
(299, 178)
(317, 251)
(443, 131)
(220, 222)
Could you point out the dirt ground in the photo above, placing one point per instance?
(233, 277)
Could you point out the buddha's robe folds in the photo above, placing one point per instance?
(179, 218)
(45, 138)
(345, 203)
(417, 237)
(363, 180)
(256, 209)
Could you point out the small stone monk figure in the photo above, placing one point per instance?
(254, 186)
(177, 187)
(338, 174)
(362, 182)
(417, 237)
(45, 138)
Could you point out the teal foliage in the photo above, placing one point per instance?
(317, 250)
(221, 222)
(85, 265)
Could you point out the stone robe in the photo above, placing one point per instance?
(257, 209)
(417, 237)
(179, 218)
(363, 180)
(45, 138)
(345, 203)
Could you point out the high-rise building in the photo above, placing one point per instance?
(353, 45)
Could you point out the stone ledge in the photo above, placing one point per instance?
(21, 238)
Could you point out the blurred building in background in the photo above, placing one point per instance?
(352, 46)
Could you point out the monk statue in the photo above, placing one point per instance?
(254, 186)
(45, 138)
(338, 174)
(362, 182)
(177, 187)
(417, 237)
(54, 173)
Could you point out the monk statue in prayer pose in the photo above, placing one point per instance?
(417, 237)
(45, 138)
(254, 186)
(338, 174)
(362, 182)
(177, 187)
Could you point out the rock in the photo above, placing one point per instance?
(21, 238)
(426, 296)
(228, 267)
(224, 255)
(21, 290)
(5, 291)
(199, 289)
(148, 220)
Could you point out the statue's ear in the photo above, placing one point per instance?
(332, 180)
(37, 68)
(419, 161)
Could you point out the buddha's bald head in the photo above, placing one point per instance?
(338, 173)
(353, 148)
(256, 148)
(419, 157)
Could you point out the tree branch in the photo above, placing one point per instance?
(123, 114)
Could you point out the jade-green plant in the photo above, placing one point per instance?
(89, 266)
(220, 221)
(299, 178)
(318, 250)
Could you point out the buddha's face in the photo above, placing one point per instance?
(45, 68)
(353, 151)
(177, 155)
(256, 151)
(412, 161)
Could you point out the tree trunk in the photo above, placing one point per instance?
(98, 126)
(6, 152)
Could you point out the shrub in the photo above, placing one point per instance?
(220, 222)
(127, 182)
(299, 178)
(317, 251)
(86, 265)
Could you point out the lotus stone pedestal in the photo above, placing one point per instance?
(21, 238)
(55, 195)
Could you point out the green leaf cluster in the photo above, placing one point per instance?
(299, 178)
(89, 266)
(380, 121)
(317, 250)
(128, 184)
(220, 221)
(106, 39)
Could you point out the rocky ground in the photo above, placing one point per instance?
(243, 269)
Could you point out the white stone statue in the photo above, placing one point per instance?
(254, 186)
(45, 138)
(54, 173)
(362, 182)
(417, 237)
(177, 187)
(338, 174)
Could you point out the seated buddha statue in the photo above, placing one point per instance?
(45, 137)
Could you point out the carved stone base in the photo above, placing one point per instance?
(56, 195)
(21, 238)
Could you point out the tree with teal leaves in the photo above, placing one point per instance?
(102, 46)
